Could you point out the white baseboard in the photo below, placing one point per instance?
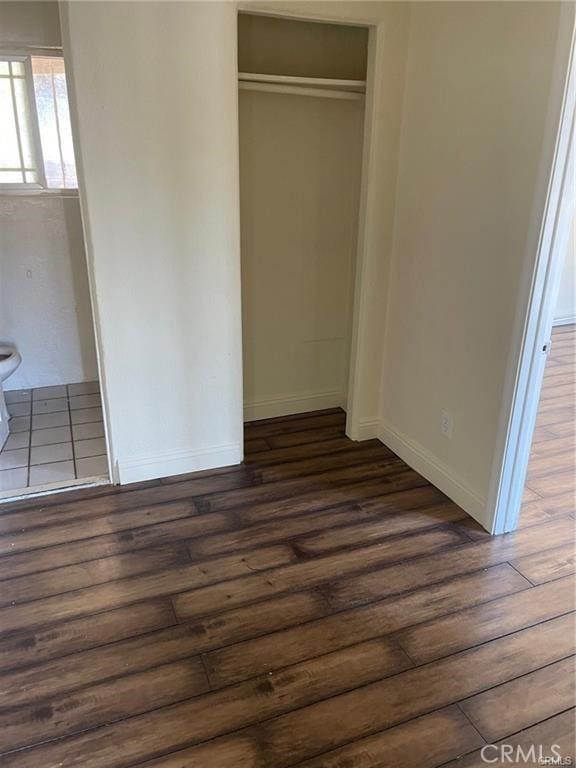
(138, 468)
(365, 430)
(417, 457)
(567, 320)
(285, 405)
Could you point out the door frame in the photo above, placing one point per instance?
(534, 320)
(367, 209)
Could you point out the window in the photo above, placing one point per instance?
(36, 150)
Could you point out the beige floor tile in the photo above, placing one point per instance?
(19, 424)
(86, 415)
(17, 440)
(87, 431)
(14, 459)
(12, 479)
(85, 401)
(52, 473)
(84, 388)
(50, 436)
(94, 447)
(49, 393)
(94, 466)
(49, 454)
(18, 396)
(49, 420)
(18, 409)
(49, 406)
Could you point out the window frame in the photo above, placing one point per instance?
(38, 187)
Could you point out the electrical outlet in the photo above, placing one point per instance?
(446, 424)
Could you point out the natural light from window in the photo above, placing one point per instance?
(36, 150)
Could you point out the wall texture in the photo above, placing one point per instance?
(300, 161)
(478, 84)
(44, 297)
(155, 95)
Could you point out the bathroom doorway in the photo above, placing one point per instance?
(51, 422)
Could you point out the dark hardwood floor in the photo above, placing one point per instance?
(322, 606)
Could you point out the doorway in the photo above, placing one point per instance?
(535, 333)
(550, 490)
(302, 90)
(52, 431)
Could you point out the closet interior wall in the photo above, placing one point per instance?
(300, 165)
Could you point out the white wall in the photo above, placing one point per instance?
(477, 95)
(565, 310)
(44, 297)
(156, 110)
(45, 304)
(300, 161)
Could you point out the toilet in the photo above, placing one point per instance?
(9, 360)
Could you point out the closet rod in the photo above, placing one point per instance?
(327, 82)
(298, 90)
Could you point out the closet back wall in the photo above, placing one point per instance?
(300, 162)
(44, 298)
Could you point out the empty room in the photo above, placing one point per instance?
(287, 384)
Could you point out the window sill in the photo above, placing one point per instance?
(38, 192)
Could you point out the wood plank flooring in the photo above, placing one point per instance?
(550, 484)
(321, 606)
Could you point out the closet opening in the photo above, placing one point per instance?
(302, 86)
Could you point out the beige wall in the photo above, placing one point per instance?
(24, 22)
(44, 298)
(156, 99)
(478, 85)
(300, 163)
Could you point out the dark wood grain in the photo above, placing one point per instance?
(289, 646)
(520, 703)
(58, 641)
(106, 596)
(322, 605)
(98, 547)
(492, 619)
(559, 731)
(414, 744)
(546, 566)
(200, 601)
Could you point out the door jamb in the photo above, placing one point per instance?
(526, 373)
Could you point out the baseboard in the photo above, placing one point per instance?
(417, 457)
(285, 405)
(169, 463)
(567, 320)
(365, 430)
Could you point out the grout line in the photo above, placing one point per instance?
(71, 432)
(30, 440)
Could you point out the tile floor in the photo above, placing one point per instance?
(56, 435)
